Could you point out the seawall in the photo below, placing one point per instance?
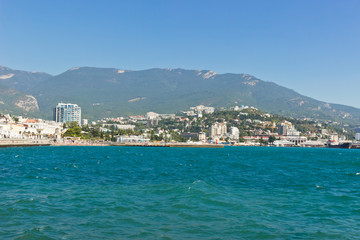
(24, 142)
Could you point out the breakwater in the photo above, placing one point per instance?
(24, 142)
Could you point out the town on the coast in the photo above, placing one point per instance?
(197, 126)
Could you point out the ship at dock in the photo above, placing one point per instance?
(345, 145)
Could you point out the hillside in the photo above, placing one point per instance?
(109, 92)
(104, 92)
(15, 102)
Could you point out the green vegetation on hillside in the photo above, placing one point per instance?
(108, 92)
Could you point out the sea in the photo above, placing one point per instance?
(179, 193)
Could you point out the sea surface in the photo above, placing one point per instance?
(179, 193)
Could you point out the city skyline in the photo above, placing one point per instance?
(311, 47)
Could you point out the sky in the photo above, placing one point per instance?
(312, 47)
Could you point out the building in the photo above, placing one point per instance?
(283, 127)
(202, 136)
(286, 128)
(357, 134)
(152, 115)
(67, 112)
(189, 135)
(152, 119)
(284, 143)
(132, 139)
(218, 130)
(120, 126)
(85, 121)
(234, 133)
(292, 132)
(167, 116)
(30, 129)
(200, 110)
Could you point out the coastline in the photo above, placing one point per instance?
(47, 142)
(40, 142)
(173, 145)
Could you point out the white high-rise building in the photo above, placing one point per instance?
(218, 130)
(234, 133)
(67, 112)
(152, 115)
(152, 119)
(357, 134)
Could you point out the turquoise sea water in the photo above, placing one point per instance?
(179, 193)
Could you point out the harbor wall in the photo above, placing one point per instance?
(24, 142)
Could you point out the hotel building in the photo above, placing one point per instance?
(67, 112)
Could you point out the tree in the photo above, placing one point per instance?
(73, 131)
(262, 141)
(271, 140)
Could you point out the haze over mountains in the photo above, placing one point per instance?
(109, 92)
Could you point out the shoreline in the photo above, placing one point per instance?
(172, 145)
(5, 143)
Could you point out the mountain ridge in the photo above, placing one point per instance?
(110, 92)
(21, 80)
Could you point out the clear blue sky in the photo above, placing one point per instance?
(311, 46)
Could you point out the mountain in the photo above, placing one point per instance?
(21, 80)
(106, 92)
(109, 92)
(18, 103)
(15, 86)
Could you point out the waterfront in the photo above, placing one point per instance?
(179, 193)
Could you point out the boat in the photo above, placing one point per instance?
(355, 146)
(347, 145)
